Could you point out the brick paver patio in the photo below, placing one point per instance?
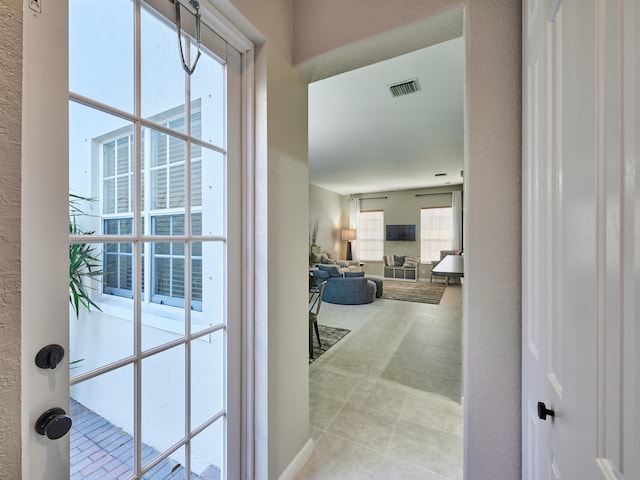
(100, 450)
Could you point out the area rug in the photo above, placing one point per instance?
(329, 336)
(421, 292)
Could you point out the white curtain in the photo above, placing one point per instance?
(456, 206)
(354, 210)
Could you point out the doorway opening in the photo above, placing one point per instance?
(423, 354)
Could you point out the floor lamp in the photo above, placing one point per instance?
(348, 234)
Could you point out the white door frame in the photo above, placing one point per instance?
(44, 231)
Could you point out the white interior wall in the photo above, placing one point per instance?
(282, 223)
(332, 212)
(403, 207)
(492, 320)
(371, 29)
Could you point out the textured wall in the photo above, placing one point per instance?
(355, 20)
(10, 139)
(377, 31)
(281, 235)
(492, 320)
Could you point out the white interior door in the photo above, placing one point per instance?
(579, 254)
(151, 157)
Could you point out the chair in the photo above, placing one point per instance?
(315, 302)
(434, 264)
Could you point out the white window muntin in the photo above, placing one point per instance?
(229, 247)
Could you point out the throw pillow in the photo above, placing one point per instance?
(398, 260)
(411, 262)
(320, 274)
(326, 260)
(316, 257)
(354, 274)
(388, 260)
(331, 269)
(342, 264)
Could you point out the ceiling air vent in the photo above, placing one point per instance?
(404, 88)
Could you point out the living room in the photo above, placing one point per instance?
(403, 207)
(399, 412)
(386, 398)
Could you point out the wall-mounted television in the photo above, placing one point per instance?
(400, 233)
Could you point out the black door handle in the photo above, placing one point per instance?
(543, 411)
(54, 423)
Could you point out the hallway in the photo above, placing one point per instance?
(385, 401)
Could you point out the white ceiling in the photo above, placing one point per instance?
(362, 140)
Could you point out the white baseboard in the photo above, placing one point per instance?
(297, 463)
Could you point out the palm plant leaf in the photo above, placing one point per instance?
(84, 263)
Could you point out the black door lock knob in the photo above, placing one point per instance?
(50, 356)
(544, 412)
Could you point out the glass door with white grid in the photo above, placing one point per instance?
(154, 244)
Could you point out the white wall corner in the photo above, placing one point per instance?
(298, 462)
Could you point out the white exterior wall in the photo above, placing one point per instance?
(88, 336)
(10, 191)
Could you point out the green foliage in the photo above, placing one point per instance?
(84, 264)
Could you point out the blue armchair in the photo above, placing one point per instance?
(345, 290)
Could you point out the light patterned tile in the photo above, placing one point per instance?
(365, 427)
(356, 362)
(445, 338)
(373, 413)
(427, 448)
(335, 458)
(332, 384)
(434, 411)
(441, 354)
(378, 397)
(392, 468)
(322, 410)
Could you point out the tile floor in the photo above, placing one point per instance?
(386, 400)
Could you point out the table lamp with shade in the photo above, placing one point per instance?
(348, 234)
